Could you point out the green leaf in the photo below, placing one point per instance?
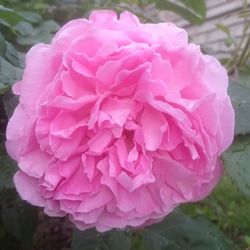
(9, 58)
(117, 240)
(9, 70)
(50, 26)
(181, 232)
(2, 45)
(176, 232)
(86, 240)
(30, 16)
(5, 24)
(20, 220)
(4, 85)
(240, 97)
(198, 7)
(247, 240)
(192, 10)
(10, 102)
(8, 75)
(7, 170)
(9, 16)
(25, 28)
(244, 77)
(236, 161)
(228, 41)
(13, 56)
(30, 35)
(223, 28)
(92, 240)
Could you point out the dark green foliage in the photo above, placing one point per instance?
(8, 75)
(227, 208)
(9, 16)
(192, 10)
(19, 220)
(237, 160)
(30, 35)
(7, 169)
(180, 232)
(92, 240)
(22, 29)
(240, 97)
(177, 232)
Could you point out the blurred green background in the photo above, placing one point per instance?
(221, 221)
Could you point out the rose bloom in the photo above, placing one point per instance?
(118, 122)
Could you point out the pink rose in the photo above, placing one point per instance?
(119, 122)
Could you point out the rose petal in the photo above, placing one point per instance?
(153, 127)
(27, 188)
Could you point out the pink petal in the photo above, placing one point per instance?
(161, 69)
(41, 66)
(27, 187)
(100, 141)
(153, 127)
(34, 163)
(95, 201)
(103, 17)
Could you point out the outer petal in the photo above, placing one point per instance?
(41, 66)
(28, 189)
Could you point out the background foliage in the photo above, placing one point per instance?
(220, 222)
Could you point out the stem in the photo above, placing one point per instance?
(246, 58)
(231, 65)
(244, 52)
(243, 57)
